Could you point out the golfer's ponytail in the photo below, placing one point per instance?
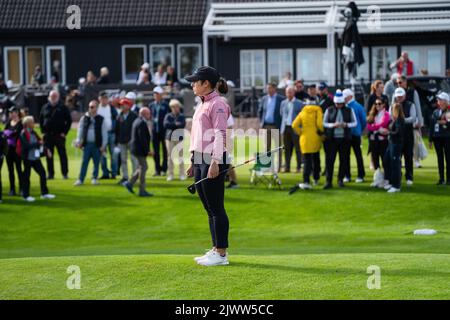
(222, 86)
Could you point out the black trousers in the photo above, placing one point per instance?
(52, 141)
(39, 169)
(355, 144)
(291, 141)
(335, 146)
(442, 147)
(13, 161)
(408, 151)
(211, 193)
(378, 150)
(312, 164)
(158, 139)
(393, 162)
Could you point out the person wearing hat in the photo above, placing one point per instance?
(440, 136)
(300, 92)
(131, 96)
(123, 136)
(409, 110)
(143, 73)
(159, 108)
(325, 98)
(109, 115)
(313, 95)
(209, 157)
(355, 142)
(338, 122)
(12, 132)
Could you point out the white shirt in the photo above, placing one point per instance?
(105, 112)
(159, 80)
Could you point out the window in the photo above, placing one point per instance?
(253, 68)
(161, 54)
(431, 58)
(189, 59)
(312, 64)
(382, 57)
(13, 64)
(133, 57)
(280, 62)
(56, 64)
(363, 70)
(34, 56)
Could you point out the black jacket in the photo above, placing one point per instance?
(439, 130)
(140, 138)
(332, 115)
(397, 131)
(173, 122)
(124, 126)
(55, 120)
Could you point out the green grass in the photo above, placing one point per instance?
(311, 245)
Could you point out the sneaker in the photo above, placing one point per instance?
(105, 177)
(94, 182)
(29, 199)
(418, 164)
(233, 185)
(163, 173)
(359, 180)
(409, 182)
(346, 180)
(145, 194)
(341, 183)
(122, 181)
(78, 183)
(182, 177)
(316, 182)
(393, 190)
(48, 196)
(387, 186)
(214, 259)
(129, 187)
(156, 174)
(169, 177)
(208, 253)
(305, 186)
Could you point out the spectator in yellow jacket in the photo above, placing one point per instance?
(309, 126)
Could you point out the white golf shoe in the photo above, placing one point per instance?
(208, 253)
(214, 259)
(48, 196)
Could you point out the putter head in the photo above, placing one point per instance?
(191, 188)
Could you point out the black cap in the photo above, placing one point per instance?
(14, 109)
(204, 73)
(103, 94)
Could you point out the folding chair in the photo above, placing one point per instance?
(264, 171)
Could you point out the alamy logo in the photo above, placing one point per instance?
(374, 20)
(73, 22)
(74, 280)
(374, 280)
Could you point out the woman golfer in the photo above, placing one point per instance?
(209, 154)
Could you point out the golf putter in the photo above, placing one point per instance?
(191, 188)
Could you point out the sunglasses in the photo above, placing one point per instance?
(399, 82)
(92, 107)
(379, 104)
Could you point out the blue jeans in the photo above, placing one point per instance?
(110, 146)
(392, 158)
(90, 151)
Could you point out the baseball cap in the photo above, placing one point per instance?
(338, 97)
(158, 89)
(126, 101)
(204, 73)
(322, 85)
(348, 93)
(131, 95)
(443, 96)
(399, 92)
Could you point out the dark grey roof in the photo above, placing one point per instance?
(102, 14)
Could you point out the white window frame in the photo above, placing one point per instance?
(5, 62)
(49, 64)
(163, 45)
(291, 67)
(418, 64)
(124, 47)
(181, 45)
(241, 52)
(43, 64)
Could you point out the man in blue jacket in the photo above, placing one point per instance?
(290, 108)
(270, 115)
(159, 108)
(357, 132)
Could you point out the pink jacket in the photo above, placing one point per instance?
(373, 127)
(209, 125)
